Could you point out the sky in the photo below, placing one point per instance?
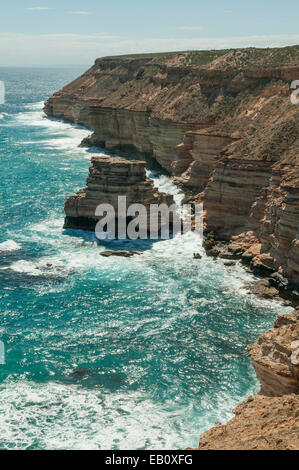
(72, 32)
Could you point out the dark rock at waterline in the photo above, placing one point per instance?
(219, 249)
(80, 373)
(279, 281)
(209, 243)
(197, 256)
(95, 378)
(230, 263)
(228, 255)
(120, 253)
(264, 289)
(286, 288)
(263, 265)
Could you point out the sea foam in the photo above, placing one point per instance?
(9, 245)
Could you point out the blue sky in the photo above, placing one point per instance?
(42, 32)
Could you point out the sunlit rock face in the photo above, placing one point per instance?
(110, 178)
(268, 421)
(197, 158)
(272, 357)
(221, 122)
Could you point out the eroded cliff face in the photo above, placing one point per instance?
(147, 104)
(261, 423)
(272, 357)
(197, 158)
(270, 420)
(221, 122)
(109, 178)
(255, 188)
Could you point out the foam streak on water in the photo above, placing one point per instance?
(9, 245)
(159, 339)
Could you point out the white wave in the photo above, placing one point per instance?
(48, 227)
(165, 185)
(73, 254)
(70, 142)
(39, 119)
(9, 245)
(59, 135)
(69, 417)
(2, 115)
(180, 247)
(27, 267)
(38, 105)
(46, 266)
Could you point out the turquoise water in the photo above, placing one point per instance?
(161, 337)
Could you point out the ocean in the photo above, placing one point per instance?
(116, 353)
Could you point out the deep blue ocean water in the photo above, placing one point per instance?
(161, 337)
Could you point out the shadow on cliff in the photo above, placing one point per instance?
(128, 152)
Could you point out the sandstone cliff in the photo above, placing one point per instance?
(109, 178)
(270, 420)
(261, 423)
(221, 122)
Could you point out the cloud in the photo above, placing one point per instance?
(79, 13)
(38, 8)
(48, 49)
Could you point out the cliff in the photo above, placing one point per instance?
(221, 122)
(277, 370)
(223, 125)
(270, 420)
(261, 423)
(109, 178)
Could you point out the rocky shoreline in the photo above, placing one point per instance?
(272, 285)
(270, 420)
(222, 125)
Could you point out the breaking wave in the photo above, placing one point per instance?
(163, 336)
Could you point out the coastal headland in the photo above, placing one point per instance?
(224, 126)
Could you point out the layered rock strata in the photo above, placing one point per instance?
(270, 420)
(197, 158)
(146, 104)
(272, 358)
(261, 423)
(109, 178)
(259, 193)
(221, 122)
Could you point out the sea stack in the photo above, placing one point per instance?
(223, 126)
(109, 178)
